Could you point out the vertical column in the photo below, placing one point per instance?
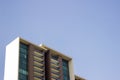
(47, 65)
(30, 63)
(60, 68)
(71, 71)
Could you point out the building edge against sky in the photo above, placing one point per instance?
(13, 55)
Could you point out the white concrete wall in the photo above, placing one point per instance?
(71, 71)
(12, 60)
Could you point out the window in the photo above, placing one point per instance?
(65, 70)
(55, 57)
(23, 59)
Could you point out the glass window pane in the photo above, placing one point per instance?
(65, 70)
(23, 71)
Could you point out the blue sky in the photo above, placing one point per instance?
(88, 31)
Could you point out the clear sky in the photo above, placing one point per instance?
(86, 30)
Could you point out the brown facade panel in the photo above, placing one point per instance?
(47, 65)
(60, 66)
(30, 62)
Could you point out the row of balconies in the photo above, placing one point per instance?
(38, 54)
(38, 66)
(54, 69)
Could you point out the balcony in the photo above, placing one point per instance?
(54, 65)
(35, 78)
(38, 74)
(55, 75)
(38, 68)
(38, 64)
(37, 58)
(55, 61)
(54, 70)
(38, 54)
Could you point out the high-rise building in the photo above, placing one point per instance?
(27, 61)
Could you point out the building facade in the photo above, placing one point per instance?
(27, 61)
